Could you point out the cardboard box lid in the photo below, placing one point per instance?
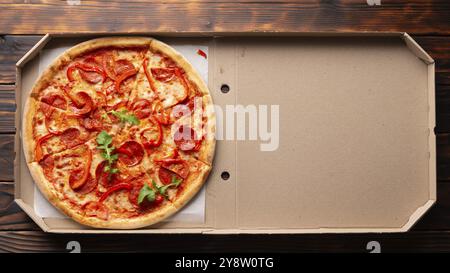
(356, 149)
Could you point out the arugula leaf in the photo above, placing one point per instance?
(146, 192)
(163, 189)
(104, 141)
(103, 138)
(125, 117)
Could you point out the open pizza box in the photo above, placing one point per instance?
(338, 136)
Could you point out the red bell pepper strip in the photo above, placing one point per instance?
(84, 67)
(148, 143)
(147, 74)
(118, 187)
(125, 75)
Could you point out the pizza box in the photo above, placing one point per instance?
(331, 133)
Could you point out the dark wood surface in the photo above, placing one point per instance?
(23, 22)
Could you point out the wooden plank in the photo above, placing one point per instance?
(6, 157)
(438, 48)
(12, 48)
(442, 109)
(11, 216)
(36, 241)
(438, 217)
(7, 109)
(414, 16)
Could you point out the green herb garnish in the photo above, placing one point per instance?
(146, 192)
(125, 117)
(150, 194)
(163, 189)
(104, 141)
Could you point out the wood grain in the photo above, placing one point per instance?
(7, 109)
(6, 157)
(414, 16)
(36, 241)
(12, 48)
(11, 216)
(426, 20)
(443, 109)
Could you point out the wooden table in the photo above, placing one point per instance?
(23, 22)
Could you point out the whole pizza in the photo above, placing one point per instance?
(119, 132)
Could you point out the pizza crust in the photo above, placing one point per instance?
(29, 143)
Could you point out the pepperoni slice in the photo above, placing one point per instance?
(152, 136)
(94, 59)
(47, 163)
(95, 209)
(176, 165)
(70, 137)
(89, 186)
(131, 153)
(163, 74)
(142, 108)
(169, 62)
(166, 176)
(93, 122)
(82, 104)
(91, 77)
(79, 177)
(55, 100)
(123, 66)
(186, 139)
(46, 109)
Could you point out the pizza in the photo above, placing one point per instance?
(119, 132)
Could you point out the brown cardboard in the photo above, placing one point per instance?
(357, 143)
